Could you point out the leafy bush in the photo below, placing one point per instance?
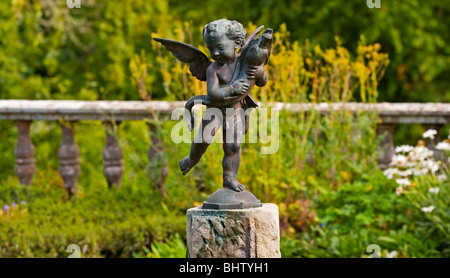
(174, 248)
(104, 223)
(405, 211)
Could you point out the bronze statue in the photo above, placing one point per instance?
(230, 79)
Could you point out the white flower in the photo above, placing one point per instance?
(410, 164)
(390, 172)
(405, 173)
(399, 190)
(434, 167)
(404, 149)
(428, 209)
(420, 153)
(392, 254)
(429, 133)
(403, 182)
(441, 177)
(420, 172)
(434, 190)
(430, 165)
(443, 146)
(398, 160)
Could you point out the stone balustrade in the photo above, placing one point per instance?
(68, 112)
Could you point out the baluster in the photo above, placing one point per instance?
(69, 164)
(112, 157)
(157, 158)
(24, 152)
(387, 144)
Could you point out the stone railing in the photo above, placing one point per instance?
(67, 113)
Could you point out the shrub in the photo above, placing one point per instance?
(405, 211)
(41, 222)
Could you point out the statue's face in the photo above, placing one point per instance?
(221, 48)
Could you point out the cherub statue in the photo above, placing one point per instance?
(229, 80)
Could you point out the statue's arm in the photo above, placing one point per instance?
(261, 82)
(258, 73)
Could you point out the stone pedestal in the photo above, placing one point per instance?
(233, 233)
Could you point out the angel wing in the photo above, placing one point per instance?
(198, 61)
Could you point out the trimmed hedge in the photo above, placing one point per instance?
(41, 222)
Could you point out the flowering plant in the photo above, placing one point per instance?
(10, 212)
(422, 175)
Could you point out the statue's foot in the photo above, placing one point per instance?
(233, 184)
(186, 165)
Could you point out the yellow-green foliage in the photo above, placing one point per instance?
(297, 73)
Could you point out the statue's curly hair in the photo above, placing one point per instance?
(232, 29)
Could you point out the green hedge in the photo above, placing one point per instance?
(104, 223)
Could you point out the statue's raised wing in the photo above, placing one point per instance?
(249, 39)
(198, 61)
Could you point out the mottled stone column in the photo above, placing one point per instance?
(234, 233)
(112, 157)
(24, 152)
(69, 164)
(157, 158)
(387, 144)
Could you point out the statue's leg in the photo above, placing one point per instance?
(208, 127)
(232, 135)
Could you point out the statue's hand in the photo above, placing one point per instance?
(240, 87)
(255, 72)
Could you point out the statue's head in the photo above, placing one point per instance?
(223, 37)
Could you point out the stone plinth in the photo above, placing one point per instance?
(233, 233)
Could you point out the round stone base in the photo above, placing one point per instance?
(225, 198)
(233, 233)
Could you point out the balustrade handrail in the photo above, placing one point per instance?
(74, 110)
(23, 112)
